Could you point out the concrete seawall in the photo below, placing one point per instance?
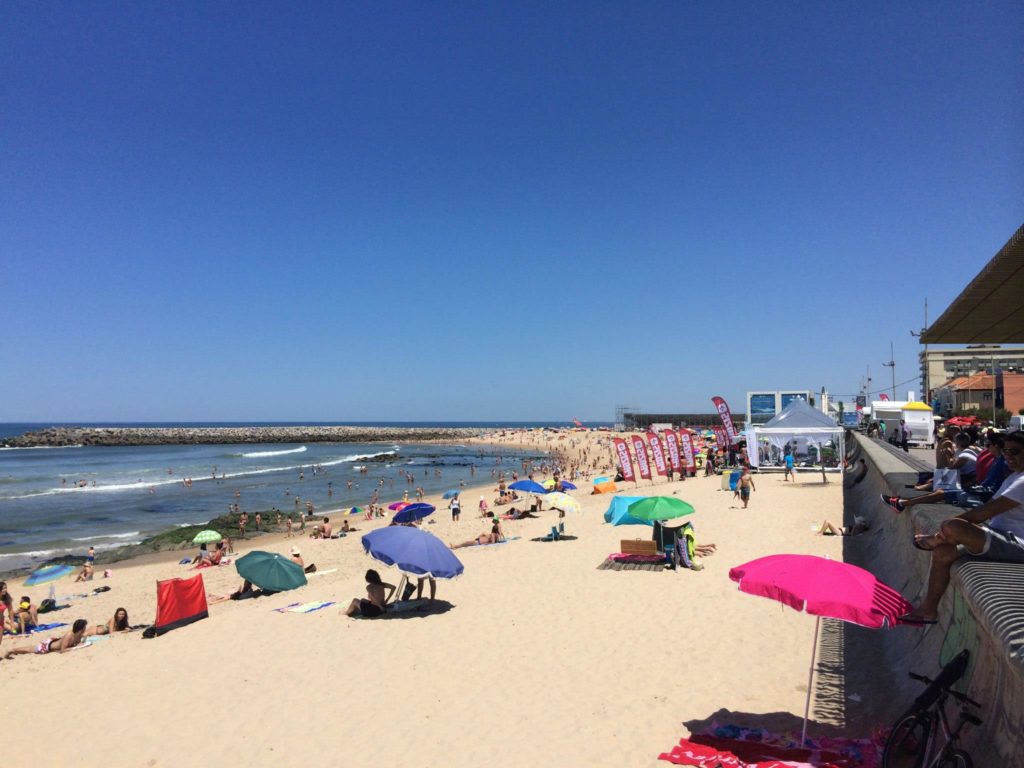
(60, 436)
(983, 610)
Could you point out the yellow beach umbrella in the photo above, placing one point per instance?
(563, 502)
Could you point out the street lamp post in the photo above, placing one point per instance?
(891, 365)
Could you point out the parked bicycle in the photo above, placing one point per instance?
(915, 737)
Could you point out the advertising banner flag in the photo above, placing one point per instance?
(723, 410)
(657, 452)
(720, 437)
(624, 460)
(672, 441)
(641, 457)
(691, 462)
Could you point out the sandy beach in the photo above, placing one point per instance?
(541, 659)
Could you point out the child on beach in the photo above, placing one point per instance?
(745, 485)
(55, 645)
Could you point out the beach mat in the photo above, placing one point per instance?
(766, 750)
(38, 628)
(620, 562)
(313, 605)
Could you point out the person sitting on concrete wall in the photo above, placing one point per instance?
(993, 531)
(969, 496)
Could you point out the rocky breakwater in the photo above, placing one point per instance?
(62, 436)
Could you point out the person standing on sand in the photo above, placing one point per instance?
(243, 520)
(790, 468)
(288, 525)
(259, 520)
(745, 486)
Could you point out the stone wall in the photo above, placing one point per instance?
(983, 610)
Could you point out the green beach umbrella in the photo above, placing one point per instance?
(206, 537)
(270, 571)
(356, 511)
(659, 508)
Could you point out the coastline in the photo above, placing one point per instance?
(56, 437)
(178, 538)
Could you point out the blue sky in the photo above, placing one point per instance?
(488, 210)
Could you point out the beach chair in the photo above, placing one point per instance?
(557, 531)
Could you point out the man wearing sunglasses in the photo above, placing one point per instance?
(993, 531)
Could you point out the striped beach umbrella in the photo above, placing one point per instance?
(206, 537)
(48, 573)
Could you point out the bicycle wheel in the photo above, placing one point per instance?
(954, 758)
(906, 745)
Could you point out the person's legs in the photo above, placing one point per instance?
(951, 533)
(827, 529)
(353, 607)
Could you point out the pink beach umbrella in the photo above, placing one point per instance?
(398, 506)
(822, 587)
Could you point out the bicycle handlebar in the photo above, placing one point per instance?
(961, 697)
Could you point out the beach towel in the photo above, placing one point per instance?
(313, 605)
(731, 746)
(37, 628)
(506, 540)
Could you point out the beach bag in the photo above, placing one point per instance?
(47, 605)
(946, 480)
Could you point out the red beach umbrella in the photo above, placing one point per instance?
(398, 506)
(822, 587)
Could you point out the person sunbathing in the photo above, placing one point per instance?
(516, 514)
(86, 573)
(378, 593)
(203, 556)
(53, 644)
(28, 615)
(859, 526)
(484, 538)
(297, 559)
(119, 621)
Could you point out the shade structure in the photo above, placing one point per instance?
(565, 485)
(606, 487)
(206, 537)
(179, 602)
(412, 551)
(822, 587)
(48, 573)
(660, 508)
(413, 512)
(527, 486)
(398, 505)
(618, 512)
(563, 502)
(270, 571)
(354, 511)
(451, 493)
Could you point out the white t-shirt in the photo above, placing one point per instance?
(1012, 521)
(970, 462)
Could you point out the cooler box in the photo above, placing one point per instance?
(728, 484)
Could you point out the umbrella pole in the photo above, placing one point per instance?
(810, 678)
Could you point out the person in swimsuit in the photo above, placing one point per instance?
(6, 610)
(745, 485)
(859, 526)
(376, 601)
(484, 538)
(55, 644)
(119, 621)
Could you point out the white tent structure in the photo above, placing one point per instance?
(799, 427)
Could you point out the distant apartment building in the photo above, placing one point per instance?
(940, 366)
(979, 391)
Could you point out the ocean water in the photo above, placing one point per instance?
(62, 500)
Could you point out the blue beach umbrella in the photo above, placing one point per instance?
(618, 512)
(413, 512)
(528, 486)
(451, 494)
(48, 573)
(412, 551)
(565, 485)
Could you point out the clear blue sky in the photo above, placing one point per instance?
(488, 210)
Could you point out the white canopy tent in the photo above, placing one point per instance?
(800, 428)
